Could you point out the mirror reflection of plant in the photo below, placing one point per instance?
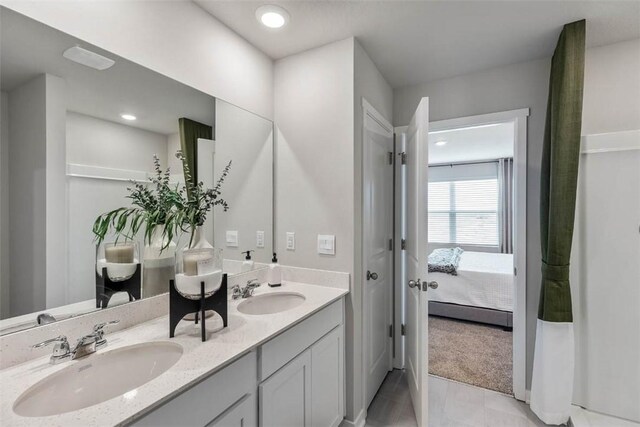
(151, 207)
(200, 200)
(174, 209)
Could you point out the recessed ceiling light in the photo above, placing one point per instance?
(272, 16)
(129, 117)
(441, 143)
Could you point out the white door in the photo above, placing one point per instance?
(377, 248)
(327, 380)
(416, 338)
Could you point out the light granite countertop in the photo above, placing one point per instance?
(199, 360)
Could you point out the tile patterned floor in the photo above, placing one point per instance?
(450, 404)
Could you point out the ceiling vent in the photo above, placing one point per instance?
(88, 58)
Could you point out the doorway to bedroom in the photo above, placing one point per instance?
(476, 215)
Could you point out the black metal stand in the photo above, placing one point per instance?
(105, 288)
(179, 306)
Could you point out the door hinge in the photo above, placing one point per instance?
(390, 244)
(390, 157)
(403, 329)
(390, 331)
(403, 244)
(403, 158)
(515, 271)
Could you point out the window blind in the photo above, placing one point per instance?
(465, 211)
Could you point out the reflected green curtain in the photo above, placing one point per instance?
(190, 131)
(559, 174)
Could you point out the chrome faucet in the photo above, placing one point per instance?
(85, 346)
(246, 291)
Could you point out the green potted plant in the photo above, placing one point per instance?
(163, 211)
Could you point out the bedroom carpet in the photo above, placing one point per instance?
(471, 353)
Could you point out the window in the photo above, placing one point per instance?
(464, 212)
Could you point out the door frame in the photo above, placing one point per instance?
(368, 109)
(519, 119)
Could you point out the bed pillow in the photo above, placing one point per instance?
(445, 260)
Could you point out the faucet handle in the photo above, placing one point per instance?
(253, 283)
(100, 326)
(61, 348)
(59, 339)
(98, 331)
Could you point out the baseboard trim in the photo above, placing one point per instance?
(358, 422)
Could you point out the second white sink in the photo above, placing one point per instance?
(98, 378)
(271, 303)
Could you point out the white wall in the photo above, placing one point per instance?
(314, 155)
(27, 198)
(247, 140)
(96, 142)
(318, 115)
(55, 240)
(175, 38)
(605, 271)
(105, 144)
(4, 206)
(611, 100)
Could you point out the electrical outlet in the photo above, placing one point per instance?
(291, 241)
(260, 239)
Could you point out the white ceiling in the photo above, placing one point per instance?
(30, 48)
(416, 41)
(472, 144)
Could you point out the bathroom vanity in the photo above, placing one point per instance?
(281, 368)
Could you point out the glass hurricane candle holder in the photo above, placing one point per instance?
(194, 266)
(121, 259)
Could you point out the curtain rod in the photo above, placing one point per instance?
(438, 165)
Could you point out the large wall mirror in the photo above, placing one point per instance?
(80, 127)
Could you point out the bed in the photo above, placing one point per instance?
(481, 292)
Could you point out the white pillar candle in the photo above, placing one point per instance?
(195, 263)
(121, 253)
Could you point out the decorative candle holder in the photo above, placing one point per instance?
(121, 260)
(194, 266)
(106, 288)
(181, 305)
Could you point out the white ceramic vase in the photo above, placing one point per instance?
(158, 264)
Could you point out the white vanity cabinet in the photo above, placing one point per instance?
(309, 390)
(227, 398)
(302, 373)
(296, 379)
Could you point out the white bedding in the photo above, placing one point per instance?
(483, 280)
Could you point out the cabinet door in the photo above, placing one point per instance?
(327, 380)
(285, 397)
(242, 414)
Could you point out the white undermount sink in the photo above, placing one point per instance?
(271, 303)
(98, 378)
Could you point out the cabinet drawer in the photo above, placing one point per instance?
(205, 401)
(277, 352)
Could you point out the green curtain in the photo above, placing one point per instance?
(559, 174)
(190, 131)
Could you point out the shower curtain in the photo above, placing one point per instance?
(553, 362)
(190, 131)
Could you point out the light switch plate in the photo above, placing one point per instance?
(291, 241)
(326, 244)
(232, 238)
(260, 239)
